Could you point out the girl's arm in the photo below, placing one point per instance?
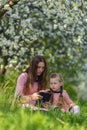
(67, 99)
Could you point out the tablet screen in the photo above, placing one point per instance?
(45, 96)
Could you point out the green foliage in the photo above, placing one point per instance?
(7, 86)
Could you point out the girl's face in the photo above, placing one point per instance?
(55, 84)
(40, 68)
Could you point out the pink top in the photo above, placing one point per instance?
(21, 84)
(66, 100)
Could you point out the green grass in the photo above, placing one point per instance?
(25, 119)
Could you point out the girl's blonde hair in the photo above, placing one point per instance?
(60, 79)
(58, 76)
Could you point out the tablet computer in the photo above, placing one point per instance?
(45, 96)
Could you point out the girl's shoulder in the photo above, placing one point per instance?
(64, 92)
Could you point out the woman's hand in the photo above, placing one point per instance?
(25, 99)
(46, 105)
(46, 90)
(36, 96)
(28, 98)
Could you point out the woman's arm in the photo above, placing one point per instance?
(21, 84)
(28, 98)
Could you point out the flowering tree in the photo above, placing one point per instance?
(55, 28)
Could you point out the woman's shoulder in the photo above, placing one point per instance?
(23, 75)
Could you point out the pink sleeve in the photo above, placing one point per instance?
(67, 98)
(21, 84)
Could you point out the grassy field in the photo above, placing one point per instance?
(25, 119)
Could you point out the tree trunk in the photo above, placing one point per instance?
(3, 68)
(9, 4)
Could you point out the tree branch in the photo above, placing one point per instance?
(9, 4)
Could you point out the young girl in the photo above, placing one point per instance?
(60, 97)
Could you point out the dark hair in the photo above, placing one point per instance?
(31, 70)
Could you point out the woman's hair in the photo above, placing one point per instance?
(59, 77)
(32, 73)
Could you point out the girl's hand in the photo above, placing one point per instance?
(71, 105)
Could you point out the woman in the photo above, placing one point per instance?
(30, 82)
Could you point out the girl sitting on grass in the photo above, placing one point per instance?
(59, 96)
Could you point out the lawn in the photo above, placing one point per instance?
(18, 118)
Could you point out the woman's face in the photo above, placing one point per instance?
(40, 68)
